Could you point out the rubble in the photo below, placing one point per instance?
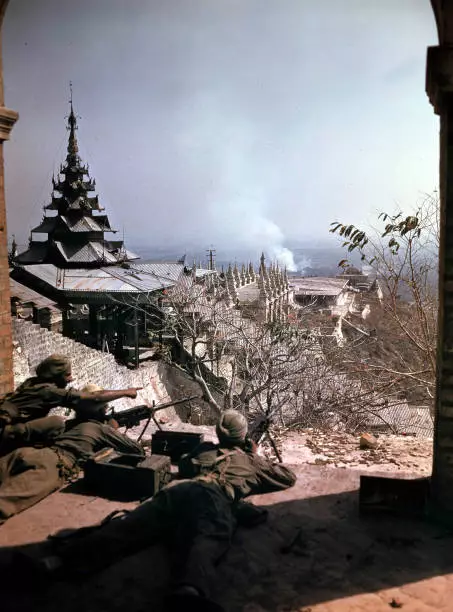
(394, 453)
(368, 441)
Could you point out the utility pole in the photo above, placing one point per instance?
(211, 258)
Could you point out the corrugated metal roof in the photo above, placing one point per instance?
(102, 253)
(91, 252)
(317, 285)
(26, 295)
(88, 224)
(202, 272)
(401, 418)
(165, 270)
(130, 255)
(107, 279)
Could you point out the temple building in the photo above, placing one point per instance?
(94, 281)
(73, 222)
(262, 295)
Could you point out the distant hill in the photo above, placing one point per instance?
(319, 259)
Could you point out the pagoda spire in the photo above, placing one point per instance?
(75, 236)
(73, 146)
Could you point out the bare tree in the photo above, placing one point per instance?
(403, 323)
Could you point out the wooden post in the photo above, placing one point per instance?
(136, 347)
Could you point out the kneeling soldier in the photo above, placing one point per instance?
(24, 419)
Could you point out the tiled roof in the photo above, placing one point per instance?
(47, 225)
(77, 204)
(36, 253)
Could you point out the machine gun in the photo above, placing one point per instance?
(132, 417)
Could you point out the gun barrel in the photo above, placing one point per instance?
(175, 403)
(141, 411)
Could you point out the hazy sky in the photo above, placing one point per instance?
(233, 122)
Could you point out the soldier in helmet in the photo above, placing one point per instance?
(24, 414)
(29, 474)
(195, 516)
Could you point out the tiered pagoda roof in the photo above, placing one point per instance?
(76, 233)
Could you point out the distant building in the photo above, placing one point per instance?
(321, 293)
(264, 295)
(357, 278)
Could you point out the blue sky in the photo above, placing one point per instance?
(235, 122)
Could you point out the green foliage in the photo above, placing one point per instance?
(408, 228)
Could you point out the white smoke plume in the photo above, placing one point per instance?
(303, 264)
(266, 234)
(240, 194)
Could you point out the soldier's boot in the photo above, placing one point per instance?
(12, 437)
(37, 569)
(248, 515)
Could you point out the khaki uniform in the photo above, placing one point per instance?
(196, 518)
(27, 474)
(27, 409)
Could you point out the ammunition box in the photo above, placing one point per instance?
(123, 477)
(175, 444)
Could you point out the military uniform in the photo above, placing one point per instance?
(25, 413)
(196, 517)
(27, 474)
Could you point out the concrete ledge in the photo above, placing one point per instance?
(8, 118)
(315, 552)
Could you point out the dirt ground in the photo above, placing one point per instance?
(314, 554)
(394, 453)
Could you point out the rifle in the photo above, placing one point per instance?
(132, 417)
(258, 431)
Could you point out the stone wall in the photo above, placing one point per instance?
(160, 381)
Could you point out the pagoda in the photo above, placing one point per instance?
(73, 221)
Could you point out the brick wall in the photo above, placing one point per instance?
(33, 343)
(7, 119)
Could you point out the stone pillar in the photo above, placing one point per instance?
(93, 325)
(7, 120)
(439, 87)
(66, 324)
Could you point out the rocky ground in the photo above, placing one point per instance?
(392, 454)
